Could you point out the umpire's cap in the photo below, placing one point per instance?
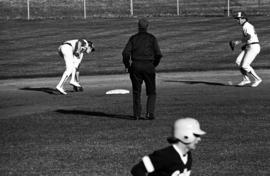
(143, 23)
(240, 14)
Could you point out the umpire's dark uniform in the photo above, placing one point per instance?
(144, 52)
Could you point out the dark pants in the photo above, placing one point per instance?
(143, 71)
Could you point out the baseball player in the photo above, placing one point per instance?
(250, 49)
(174, 160)
(72, 51)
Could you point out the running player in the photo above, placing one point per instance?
(174, 160)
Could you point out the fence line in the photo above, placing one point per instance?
(28, 10)
(84, 9)
(12, 9)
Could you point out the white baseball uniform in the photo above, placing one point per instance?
(246, 57)
(250, 51)
(72, 52)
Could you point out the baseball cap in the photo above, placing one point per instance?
(240, 15)
(143, 23)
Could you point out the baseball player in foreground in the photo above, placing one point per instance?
(72, 51)
(174, 160)
(250, 49)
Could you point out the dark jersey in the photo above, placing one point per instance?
(164, 162)
(142, 46)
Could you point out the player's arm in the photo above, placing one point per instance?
(78, 47)
(146, 165)
(80, 56)
(139, 170)
(157, 52)
(245, 38)
(126, 54)
(150, 163)
(247, 34)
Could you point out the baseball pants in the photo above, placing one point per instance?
(143, 71)
(67, 53)
(247, 56)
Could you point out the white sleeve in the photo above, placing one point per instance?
(81, 56)
(148, 164)
(188, 173)
(250, 30)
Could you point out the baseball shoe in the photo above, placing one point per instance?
(78, 89)
(136, 117)
(75, 88)
(74, 84)
(256, 83)
(244, 82)
(148, 116)
(61, 90)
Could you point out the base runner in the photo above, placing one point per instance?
(174, 160)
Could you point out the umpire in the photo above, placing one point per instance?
(144, 52)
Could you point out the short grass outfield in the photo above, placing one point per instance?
(29, 48)
(92, 134)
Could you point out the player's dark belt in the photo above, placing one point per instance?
(253, 43)
(66, 43)
(245, 46)
(143, 61)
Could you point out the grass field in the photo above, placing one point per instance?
(91, 134)
(29, 48)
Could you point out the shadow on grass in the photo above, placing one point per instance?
(202, 82)
(46, 90)
(42, 89)
(95, 113)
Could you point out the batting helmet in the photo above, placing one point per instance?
(240, 14)
(186, 130)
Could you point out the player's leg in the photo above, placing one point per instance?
(150, 84)
(77, 79)
(238, 62)
(73, 82)
(75, 75)
(77, 64)
(136, 80)
(67, 55)
(251, 54)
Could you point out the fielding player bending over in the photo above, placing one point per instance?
(250, 49)
(174, 160)
(72, 51)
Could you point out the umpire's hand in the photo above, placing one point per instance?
(127, 70)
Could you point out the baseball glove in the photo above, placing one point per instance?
(77, 54)
(244, 47)
(232, 44)
(77, 89)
